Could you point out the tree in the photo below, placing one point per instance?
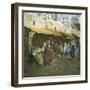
(75, 23)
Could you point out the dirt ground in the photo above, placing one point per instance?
(63, 66)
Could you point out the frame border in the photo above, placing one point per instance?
(14, 43)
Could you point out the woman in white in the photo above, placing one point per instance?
(68, 48)
(65, 47)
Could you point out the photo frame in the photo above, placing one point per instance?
(48, 44)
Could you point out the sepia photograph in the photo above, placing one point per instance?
(51, 44)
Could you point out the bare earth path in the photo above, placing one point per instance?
(63, 66)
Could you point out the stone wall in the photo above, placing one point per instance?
(26, 42)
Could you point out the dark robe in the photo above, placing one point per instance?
(72, 52)
(47, 55)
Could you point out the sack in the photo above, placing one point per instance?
(39, 58)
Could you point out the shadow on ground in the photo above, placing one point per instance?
(63, 66)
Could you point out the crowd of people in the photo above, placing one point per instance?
(51, 50)
(69, 47)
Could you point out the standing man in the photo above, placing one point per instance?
(72, 52)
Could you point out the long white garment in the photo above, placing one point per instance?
(65, 47)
